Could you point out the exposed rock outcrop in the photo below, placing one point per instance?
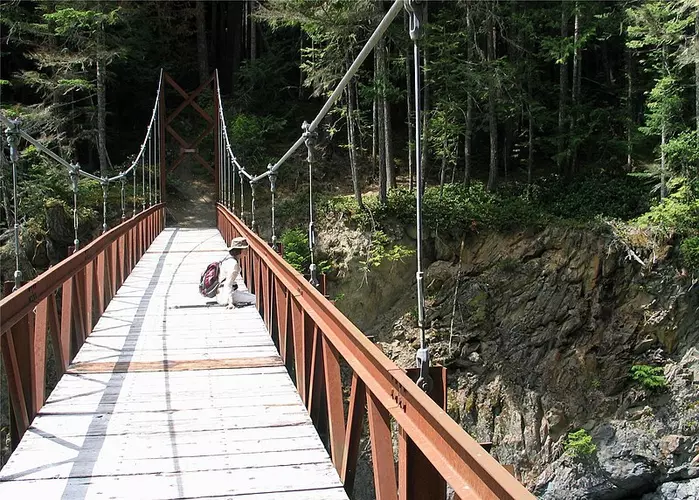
(540, 331)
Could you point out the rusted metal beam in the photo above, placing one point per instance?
(185, 95)
(353, 433)
(385, 484)
(458, 458)
(19, 303)
(333, 395)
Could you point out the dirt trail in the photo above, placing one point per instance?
(194, 204)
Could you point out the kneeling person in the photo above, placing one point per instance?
(228, 293)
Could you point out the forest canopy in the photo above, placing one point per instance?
(569, 109)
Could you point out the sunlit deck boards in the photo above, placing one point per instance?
(166, 402)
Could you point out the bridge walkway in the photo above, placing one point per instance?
(169, 398)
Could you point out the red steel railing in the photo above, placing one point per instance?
(86, 281)
(318, 344)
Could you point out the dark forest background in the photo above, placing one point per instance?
(576, 110)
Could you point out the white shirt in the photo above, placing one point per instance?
(229, 272)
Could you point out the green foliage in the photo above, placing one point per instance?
(689, 250)
(649, 377)
(296, 250)
(382, 249)
(584, 198)
(579, 444)
(251, 134)
(676, 214)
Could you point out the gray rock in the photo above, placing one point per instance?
(675, 490)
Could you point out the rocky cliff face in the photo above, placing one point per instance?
(540, 331)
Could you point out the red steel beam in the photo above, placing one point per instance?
(458, 458)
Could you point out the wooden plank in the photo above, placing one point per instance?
(194, 484)
(170, 365)
(175, 401)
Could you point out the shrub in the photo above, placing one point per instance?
(689, 250)
(579, 444)
(382, 249)
(604, 194)
(296, 251)
(650, 377)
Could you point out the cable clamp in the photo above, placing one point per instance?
(414, 8)
(309, 139)
(74, 172)
(272, 179)
(13, 134)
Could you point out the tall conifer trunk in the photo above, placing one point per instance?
(468, 126)
(409, 107)
(253, 31)
(387, 125)
(562, 95)
(101, 65)
(426, 103)
(696, 79)
(351, 138)
(202, 50)
(575, 95)
(380, 112)
(492, 116)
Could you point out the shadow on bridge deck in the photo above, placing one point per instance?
(173, 402)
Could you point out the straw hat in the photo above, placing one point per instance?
(238, 243)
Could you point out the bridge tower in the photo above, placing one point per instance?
(187, 148)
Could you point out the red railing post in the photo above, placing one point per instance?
(320, 335)
(384, 466)
(353, 433)
(15, 383)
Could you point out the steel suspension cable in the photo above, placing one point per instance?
(13, 134)
(309, 139)
(150, 169)
(395, 9)
(105, 191)
(74, 184)
(273, 190)
(252, 205)
(134, 193)
(143, 184)
(422, 357)
(242, 197)
(123, 199)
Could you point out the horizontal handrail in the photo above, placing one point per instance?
(20, 302)
(456, 456)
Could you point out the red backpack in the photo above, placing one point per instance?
(209, 282)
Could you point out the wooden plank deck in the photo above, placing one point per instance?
(167, 402)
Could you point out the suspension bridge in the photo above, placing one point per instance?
(164, 395)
